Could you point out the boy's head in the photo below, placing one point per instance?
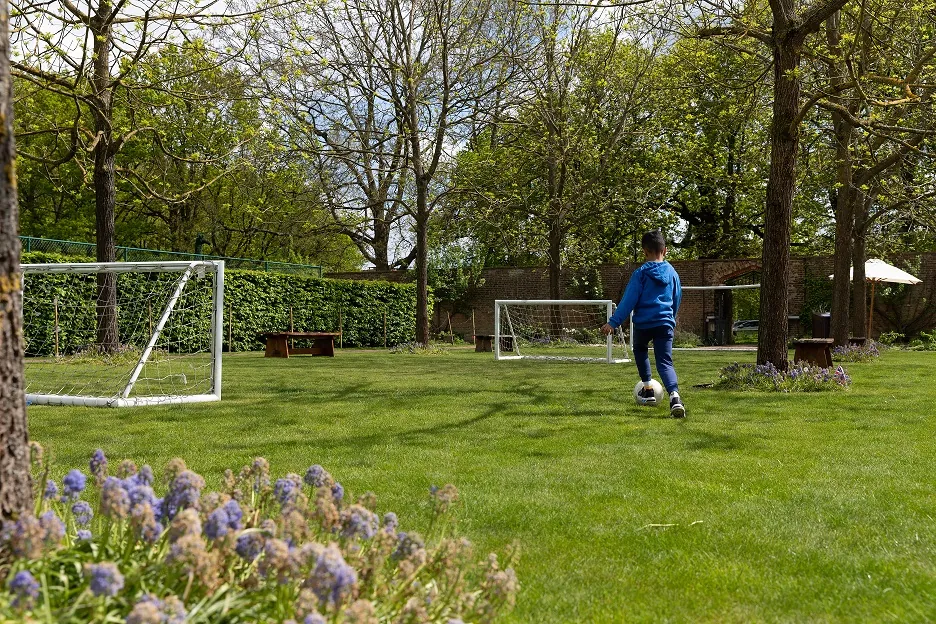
(654, 245)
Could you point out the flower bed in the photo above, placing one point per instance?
(799, 378)
(106, 548)
(867, 352)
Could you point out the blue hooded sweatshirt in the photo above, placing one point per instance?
(653, 295)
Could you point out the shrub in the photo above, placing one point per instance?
(686, 339)
(255, 302)
(417, 348)
(856, 353)
(259, 550)
(799, 378)
(926, 342)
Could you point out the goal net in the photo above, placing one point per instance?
(121, 334)
(549, 329)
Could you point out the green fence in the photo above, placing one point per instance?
(135, 254)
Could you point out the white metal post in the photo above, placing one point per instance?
(217, 322)
(497, 330)
(180, 285)
(611, 335)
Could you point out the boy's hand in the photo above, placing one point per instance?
(606, 329)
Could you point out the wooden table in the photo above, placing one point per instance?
(279, 344)
(814, 350)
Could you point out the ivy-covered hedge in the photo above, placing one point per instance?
(255, 302)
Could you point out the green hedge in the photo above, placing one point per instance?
(255, 302)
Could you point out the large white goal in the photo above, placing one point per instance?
(556, 329)
(163, 344)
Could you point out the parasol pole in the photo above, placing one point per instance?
(871, 311)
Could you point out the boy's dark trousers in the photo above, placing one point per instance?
(662, 338)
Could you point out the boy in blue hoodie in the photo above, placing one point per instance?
(653, 295)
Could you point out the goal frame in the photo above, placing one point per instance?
(609, 306)
(186, 269)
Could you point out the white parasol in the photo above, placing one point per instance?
(879, 271)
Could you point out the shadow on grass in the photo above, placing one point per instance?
(705, 441)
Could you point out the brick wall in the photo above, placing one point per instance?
(917, 312)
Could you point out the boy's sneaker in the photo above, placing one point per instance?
(676, 408)
(647, 396)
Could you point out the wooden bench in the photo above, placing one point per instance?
(814, 350)
(484, 343)
(279, 344)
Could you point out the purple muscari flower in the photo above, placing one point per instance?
(183, 494)
(332, 578)
(390, 521)
(104, 578)
(407, 544)
(315, 476)
(115, 502)
(73, 484)
(53, 528)
(224, 519)
(84, 535)
(216, 526)
(98, 466)
(337, 492)
(249, 546)
(314, 618)
(25, 590)
(149, 607)
(51, 490)
(285, 491)
(145, 476)
(234, 514)
(140, 494)
(358, 521)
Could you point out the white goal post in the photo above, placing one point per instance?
(169, 329)
(556, 329)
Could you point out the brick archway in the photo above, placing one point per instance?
(719, 272)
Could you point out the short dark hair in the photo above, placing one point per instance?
(653, 241)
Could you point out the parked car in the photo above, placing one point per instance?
(747, 325)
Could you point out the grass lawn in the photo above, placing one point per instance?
(777, 507)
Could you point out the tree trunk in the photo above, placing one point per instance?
(15, 483)
(859, 302)
(422, 262)
(772, 337)
(845, 192)
(844, 226)
(555, 259)
(105, 191)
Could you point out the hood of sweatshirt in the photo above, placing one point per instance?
(659, 272)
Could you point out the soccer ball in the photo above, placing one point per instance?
(657, 393)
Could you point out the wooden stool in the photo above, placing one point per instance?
(484, 343)
(814, 350)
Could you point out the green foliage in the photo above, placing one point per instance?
(686, 339)
(454, 272)
(799, 378)
(892, 338)
(254, 551)
(817, 297)
(255, 302)
(416, 348)
(926, 342)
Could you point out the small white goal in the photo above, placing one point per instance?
(557, 329)
(121, 334)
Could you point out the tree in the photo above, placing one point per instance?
(15, 483)
(337, 111)
(449, 58)
(785, 36)
(879, 96)
(87, 55)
